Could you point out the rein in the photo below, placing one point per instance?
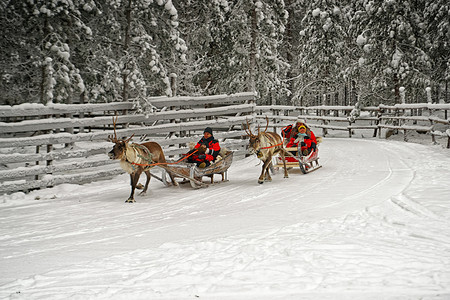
(166, 163)
(273, 146)
(271, 139)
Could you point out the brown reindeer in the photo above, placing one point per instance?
(265, 145)
(136, 158)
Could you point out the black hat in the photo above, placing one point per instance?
(208, 129)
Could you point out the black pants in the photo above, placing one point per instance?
(198, 161)
(308, 151)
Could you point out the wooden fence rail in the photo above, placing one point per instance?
(422, 117)
(41, 146)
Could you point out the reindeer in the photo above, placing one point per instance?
(135, 159)
(265, 145)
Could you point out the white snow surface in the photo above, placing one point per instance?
(372, 223)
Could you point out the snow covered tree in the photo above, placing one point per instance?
(137, 42)
(392, 37)
(38, 49)
(235, 45)
(437, 13)
(321, 51)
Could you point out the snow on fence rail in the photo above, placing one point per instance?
(46, 145)
(421, 117)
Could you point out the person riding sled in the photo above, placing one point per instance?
(206, 150)
(301, 133)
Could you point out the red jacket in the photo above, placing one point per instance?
(212, 145)
(308, 140)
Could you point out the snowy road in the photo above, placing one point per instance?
(373, 223)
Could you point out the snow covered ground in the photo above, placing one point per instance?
(373, 223)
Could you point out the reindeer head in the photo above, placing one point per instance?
(120, 146)
(255, 140)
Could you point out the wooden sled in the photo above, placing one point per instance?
(192, 174)
(297, 161)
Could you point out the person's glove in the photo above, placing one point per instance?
(202, 156)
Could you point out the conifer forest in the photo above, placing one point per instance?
(290, 52)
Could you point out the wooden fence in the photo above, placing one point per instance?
(423, 117)
(46, 145)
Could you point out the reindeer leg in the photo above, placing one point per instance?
(283, 158)
(172, 178)
(131, 198)
(144, 191)
(268, 177)
(134, 180)
(263, 171)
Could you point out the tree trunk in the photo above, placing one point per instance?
(345, 92)
(43, 67)
(396, 89)
(252, 63)
(126, 43)
(289, 47)
(354, 93)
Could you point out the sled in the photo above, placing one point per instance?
(193, 174)
(307, 164)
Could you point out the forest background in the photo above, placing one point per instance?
(291, 52)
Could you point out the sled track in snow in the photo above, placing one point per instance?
(366, 211)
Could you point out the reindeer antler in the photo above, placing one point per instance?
(128, 139)
(249, 131)
(114, 138)
(110, 137)
(267, 125)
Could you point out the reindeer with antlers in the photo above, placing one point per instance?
(136, 158)
(266, 145)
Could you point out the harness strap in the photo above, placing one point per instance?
(273, 146)
(271, 140)
(166, 163)
(146, 150)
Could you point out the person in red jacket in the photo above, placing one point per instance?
(305, 137)
(207, 150)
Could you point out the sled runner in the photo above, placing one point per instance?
(193, 174)
(307, 164)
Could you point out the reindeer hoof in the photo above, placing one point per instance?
(142, 193)
(130, 201)
(260, 181)
(286, 176)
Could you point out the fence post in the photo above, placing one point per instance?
(349, 129)
(380, 118)
(36, 177)
(49, 162)
(448, 138)
(433, 138)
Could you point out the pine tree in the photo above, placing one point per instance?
(235, 46)
(39, 48)
(392, 39)
(137, 42)
(321, 51)
(437, 13)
